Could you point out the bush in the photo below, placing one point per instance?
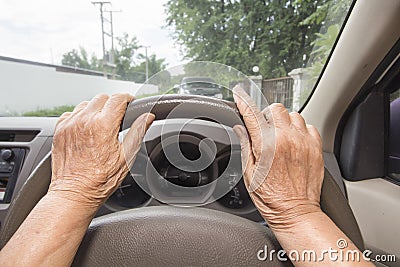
(52, 112)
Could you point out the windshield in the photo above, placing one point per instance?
(55, 54)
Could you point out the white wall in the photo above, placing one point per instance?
(26, 87)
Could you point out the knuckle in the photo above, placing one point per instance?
(278, 109)
(121, 97)
(100, 97)
(82, 104)
(60, 132)
(295, 114)
(311, 127)
(277, 106)
(296, 117)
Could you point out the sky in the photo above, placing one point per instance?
(43, 30)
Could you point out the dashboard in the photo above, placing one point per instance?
(159, 176)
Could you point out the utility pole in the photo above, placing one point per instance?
(112, 53)
(101, 4)
(147, 61)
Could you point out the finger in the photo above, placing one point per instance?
(312, 130)
(63, 117)
(134, 137)
(115, 107)
(80, 106)
(298, 121)
(246, 153)
(254, 120)
(280, 115)
(96, 104)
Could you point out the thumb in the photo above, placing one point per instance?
(247, 153)
(133, 139)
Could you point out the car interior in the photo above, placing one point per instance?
(353, 105)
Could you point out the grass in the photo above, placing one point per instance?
(51, 112)
(57, 111)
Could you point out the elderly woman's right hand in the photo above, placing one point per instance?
(282, 162)
(89, 162)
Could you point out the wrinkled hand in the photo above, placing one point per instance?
(282, 162)
(88, 161)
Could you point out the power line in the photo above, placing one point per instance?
(108, 58)
(112, 59)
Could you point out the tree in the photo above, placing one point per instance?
(79, 58)
(322, 48)
(130, 65)
(154, 65)
(330, 15)
(332, 11)
(276, 35)
(125, 56)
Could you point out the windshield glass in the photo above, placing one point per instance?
(55, 54)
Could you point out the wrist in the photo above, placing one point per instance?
(288, 217)
(298, 222)
(67, 202)
(82, 191)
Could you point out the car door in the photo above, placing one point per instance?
(369, 159)
(351, 108)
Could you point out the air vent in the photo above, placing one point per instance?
(17, 136)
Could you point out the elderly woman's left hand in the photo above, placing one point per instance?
(88, 161)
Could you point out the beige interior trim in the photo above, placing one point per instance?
(371, 31)
(374, 210)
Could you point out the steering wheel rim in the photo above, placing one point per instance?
(190, 107)
(333, 203)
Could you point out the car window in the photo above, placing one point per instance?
(394, 133)
(55, 57)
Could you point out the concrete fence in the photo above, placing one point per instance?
(291, 91)
(28, 86)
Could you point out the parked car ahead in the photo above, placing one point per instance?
(200, 86)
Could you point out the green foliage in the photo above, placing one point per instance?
(155, 66)
(53, 112)
(245, 33)
(331, 14)
(328, 11)
(322, 48)
(78, 58)
(130, 65)
(125, 57)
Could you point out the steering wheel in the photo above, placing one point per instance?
(173, 236)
